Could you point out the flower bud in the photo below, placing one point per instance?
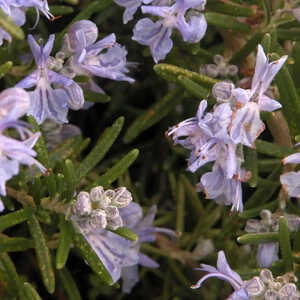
(97, 194)
(98, 219)
(115, 223)
(112, 212)
(211, 70)
(222, 91)
(219, 59)
(270, 295)
(89, 30)
(266, 276)
(255, 287)
(288, 291)
(232, 70)
(82, 206)
(122, 197)
(254, 226)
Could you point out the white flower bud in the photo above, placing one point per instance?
(122, 197)
(254, 226)
(112, 212)
(97, 193)
(266, 276)
(222, 91)
(255, 287)
(270, 295)
(98, 219)
(232, 70)
(82, 206)
(296, 13)
(115, 223)
(288, 291)
(60, 55)
(218, 59)
(212, 70)
(110, 194)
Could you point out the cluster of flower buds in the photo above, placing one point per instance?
(259, 287)
(267, 253)
(99, 209)
(279, 288)
(220, 68)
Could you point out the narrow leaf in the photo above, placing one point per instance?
(228, 9)
(69, 284)
(154, 114)
(30, 292)
(258, 238)
(10, 26)
(285, 244)
(14, 218)
(15, 244)
(65, 240)
(273, 149)
(42, 253)
(118, 169)
(171, 73)
(193, 88)
(96, 97)
(5, 68)
(251, 165)
(92, 259)
(180, 207)
(103, 145)
(226, 22)
(126, 233)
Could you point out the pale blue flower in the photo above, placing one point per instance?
(157, 34)
(133, 219)
(14, 103)
(246, 124)
(105, 58)
(46, 101)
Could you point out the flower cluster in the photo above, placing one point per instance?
(184, 15)
(267, 253)
(262, 287)
(220, 68)
(15, 9)
(99, 211)
(219, 136)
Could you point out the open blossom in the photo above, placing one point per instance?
(157, 34)
(132, 216)
(246, 124)
(291, 180)
(105, 58)
(207, 136)
(46, 101)
(15, 9)
(14, 103)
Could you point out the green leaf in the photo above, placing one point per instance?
(92, 259)
(14, 218)
(30, 292)
(251, 165)
(42, 253)
(10, 26)
(61, 10)
(288, 97)
(228, 9)
(250, 46)
(126, 233)
(40, 146)
(297, 241)
(103, 145)
(285, 244)
(193, 88)
(289, 34)
(96, 97)
(266, 43)
(15, 244)
(266, 4)
(65, 240)
(117, 170)
(70, 179)
(171, 73)
(154, 114)
(226, 22)
(51, 184)
(5, 68)
(273, 149)
(69, 284)
(296, 65)
(258, 238)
